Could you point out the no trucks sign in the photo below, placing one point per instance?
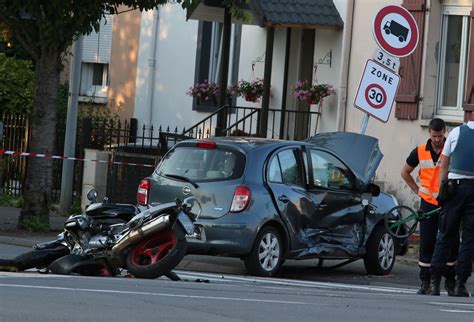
(377, 90)
(395, 31)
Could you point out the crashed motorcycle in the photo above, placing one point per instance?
(109, 237)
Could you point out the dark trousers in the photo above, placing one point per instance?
(428, 233)
(460, 209)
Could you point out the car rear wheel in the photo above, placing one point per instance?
(267, 253)
(380, 252)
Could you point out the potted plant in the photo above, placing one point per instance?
(250, 90)
(204, 92)
(312, 93)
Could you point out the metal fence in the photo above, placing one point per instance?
(125, 142)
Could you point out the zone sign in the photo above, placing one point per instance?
(377, 89)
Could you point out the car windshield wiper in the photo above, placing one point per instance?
(175, 176)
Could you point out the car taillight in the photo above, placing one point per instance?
(206, 145)
(142, 193)
(241, 199)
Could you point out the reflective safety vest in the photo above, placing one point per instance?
(428, 174)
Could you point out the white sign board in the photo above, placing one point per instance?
(395, 31)
(377, 90)
(386, 60)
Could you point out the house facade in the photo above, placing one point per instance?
(163, 54)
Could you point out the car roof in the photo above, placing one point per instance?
(244, 143)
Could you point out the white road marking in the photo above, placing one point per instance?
(457, 311)
(289, 282)
(451, 304)
(253, 280)
(152, 294)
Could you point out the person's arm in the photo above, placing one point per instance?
(443, 168)
(406, 175)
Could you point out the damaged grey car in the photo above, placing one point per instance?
(266, 201)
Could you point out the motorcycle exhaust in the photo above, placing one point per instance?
(146, 230)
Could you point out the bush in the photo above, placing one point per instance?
(16, 85)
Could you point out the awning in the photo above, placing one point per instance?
(305, 14)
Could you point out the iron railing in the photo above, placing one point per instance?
(244, 121)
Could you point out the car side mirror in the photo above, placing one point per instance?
(92, 195)
(373, 189)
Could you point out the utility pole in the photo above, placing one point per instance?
(65, 200)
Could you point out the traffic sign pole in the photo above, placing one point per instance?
(365, 122)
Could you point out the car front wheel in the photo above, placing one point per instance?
(380, 252)
(267, 253)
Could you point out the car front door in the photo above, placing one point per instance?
(339, 214)
(286, 179)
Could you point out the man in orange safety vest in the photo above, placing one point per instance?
(426, 158)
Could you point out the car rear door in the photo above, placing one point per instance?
(286, 178)
(339, 214)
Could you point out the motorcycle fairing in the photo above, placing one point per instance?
(72, 263)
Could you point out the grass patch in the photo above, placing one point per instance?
(9, 200)
(75, 208)
(35, 224)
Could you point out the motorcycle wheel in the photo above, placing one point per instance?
(39, 258)
(157, 254)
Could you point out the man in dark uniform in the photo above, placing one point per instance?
(426, 157)
(457, 165)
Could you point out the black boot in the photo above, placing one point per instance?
(460, 289)
(435, 281)
(449, 285)
(450, 282)
(424, 288)
(425, 280)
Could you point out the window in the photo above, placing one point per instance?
(453, 60)
(329, 172)
(203, 164)
(209, 57)
(284, 168)
(94, 79)
(95, 63)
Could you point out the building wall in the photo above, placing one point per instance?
(123, 63)
(160, 97)
(175, 59)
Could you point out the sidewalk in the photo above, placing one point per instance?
(10, 235)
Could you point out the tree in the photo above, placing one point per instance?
(45, 29)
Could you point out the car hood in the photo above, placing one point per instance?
(361, 152)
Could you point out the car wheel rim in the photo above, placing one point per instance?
(269, 252)
(386, 251)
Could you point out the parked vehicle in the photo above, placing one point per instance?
(268, 200)
(109, 237)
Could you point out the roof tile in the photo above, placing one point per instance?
(299, 12)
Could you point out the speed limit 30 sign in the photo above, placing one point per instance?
(377, 89)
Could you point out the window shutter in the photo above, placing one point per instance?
(469, 97)
(408, 95)
(97, 45)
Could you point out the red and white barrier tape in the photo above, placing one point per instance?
(49, 156)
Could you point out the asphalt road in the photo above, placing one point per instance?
(215, 289)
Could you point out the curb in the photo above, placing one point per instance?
(15, 241)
